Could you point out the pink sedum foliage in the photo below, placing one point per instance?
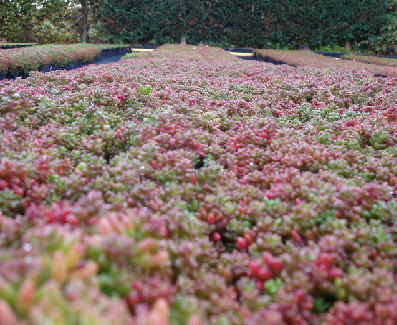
(191, 187)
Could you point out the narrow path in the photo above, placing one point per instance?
(110, 59)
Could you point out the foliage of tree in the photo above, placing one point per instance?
(293, 23)
(123, 21)
(88, 17)
(18, 18)
(48, 21)
(255, 23)
(301, 23)
(183, 18)
(386, 41)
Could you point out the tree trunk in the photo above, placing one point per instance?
(84, 21)
(29, 35)
(183, 40)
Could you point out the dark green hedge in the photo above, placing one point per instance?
(256, 23)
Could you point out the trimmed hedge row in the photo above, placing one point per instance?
(256, 23)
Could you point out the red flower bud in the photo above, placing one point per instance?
(3, 185)
(325, 259)
(335, 273)
(298, 238)
(260, 285)
(267, 256)
(264, 273)
(193, 178)
(211, 218)
(242, 244)
(248, 238)
(254, 267)
(275, 264)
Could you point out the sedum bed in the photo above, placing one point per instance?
(374, 65)
(391, 62)
(190, 187)
(24, 60)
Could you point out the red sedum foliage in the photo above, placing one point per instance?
(190, 187)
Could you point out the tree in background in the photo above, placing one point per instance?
(125, 21)
(58, 27)
(88, 16)
(48, 21)
(182, 20)
(303, 23)
(167, 21)
(19, 17)
(386, 41)
(360, 20)
(243, 23)
(237, 22)
(259, 23)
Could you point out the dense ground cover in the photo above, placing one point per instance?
(191, 187)
(24, 60)
(27, 59)
(391, 62)
(308, 58)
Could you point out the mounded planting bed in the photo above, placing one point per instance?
(377, 66)
(191, 187)
(390, 62)
(19, 62)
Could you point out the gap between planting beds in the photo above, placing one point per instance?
(188, 187)
(15, 45)
(338, 55)
(17, 63)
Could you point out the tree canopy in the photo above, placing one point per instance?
(47, 21)
(256, 23)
